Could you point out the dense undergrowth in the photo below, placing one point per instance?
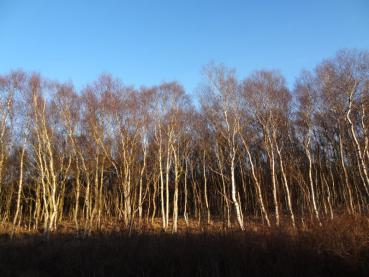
(339, 248)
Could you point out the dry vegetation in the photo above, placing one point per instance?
(341, 248)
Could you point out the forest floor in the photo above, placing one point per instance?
(339, 248)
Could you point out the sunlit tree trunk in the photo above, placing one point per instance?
(206, 189)
(176, 188)
(356, 142)
(348, 187)
(310, 172)
(270, 150)
(233, 193)
(286, 186)
(185, 213)
(257, 186)
(20, 188)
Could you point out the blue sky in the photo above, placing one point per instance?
(147, 42)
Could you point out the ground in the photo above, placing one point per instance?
(339, 248)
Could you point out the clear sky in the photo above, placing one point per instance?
(147, 42)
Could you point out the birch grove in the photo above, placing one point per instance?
(246, 150)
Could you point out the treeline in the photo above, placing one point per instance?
(251, 150)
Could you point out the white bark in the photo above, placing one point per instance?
(357, 145)
(312, 190)
(233, 193)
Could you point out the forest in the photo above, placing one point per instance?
(247, 155)
(250, 150)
